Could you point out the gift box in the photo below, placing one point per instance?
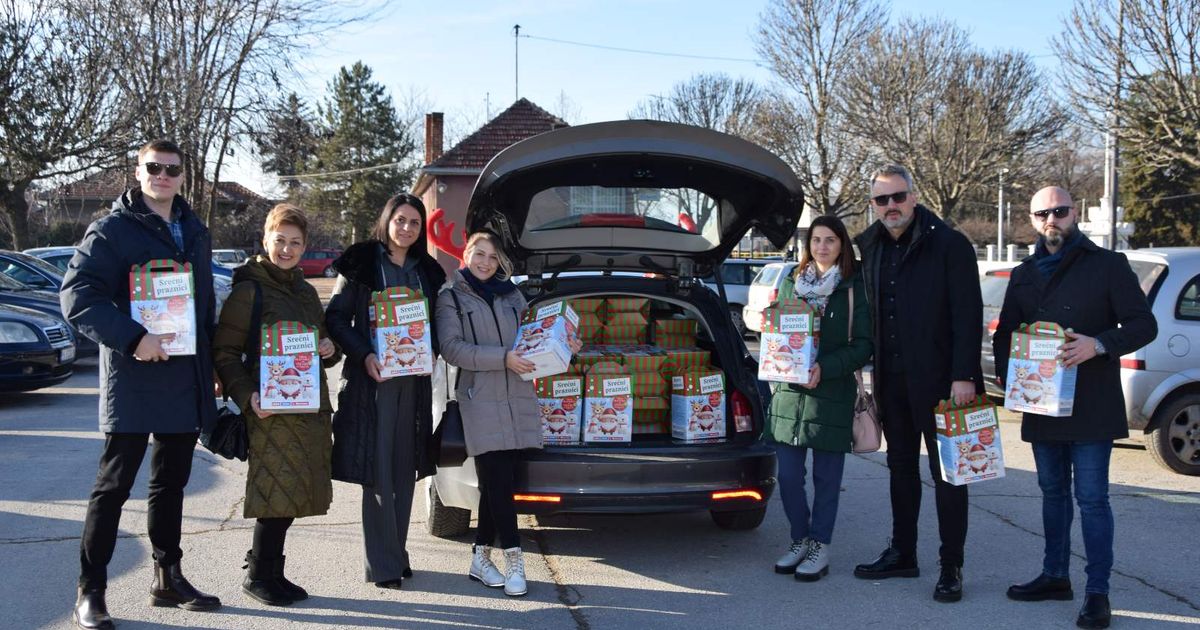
(643, 358)
(608, 403)
(592, 306)
(652, 428)
(654, 410)
(675, 341)
(162, 298)
(686, 358)
(589, 327)
(698, 404)
(289, 368)
(968, 441)
(650, 384)
(788, 344)
(626, 305)
(400, 332)
(626, 319)
(560, 400)
(685, 327)
(590, 355)
(1037, 382)
(543, 338)
(623, 335)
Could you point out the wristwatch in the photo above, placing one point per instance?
(1099, 347)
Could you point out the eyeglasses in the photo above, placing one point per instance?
(897, 197)
(154, 168)
(1060, 212)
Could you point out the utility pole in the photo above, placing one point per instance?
(1112, 151)
(516, 62)
(1000, 217)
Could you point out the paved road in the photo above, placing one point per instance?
(674, 571)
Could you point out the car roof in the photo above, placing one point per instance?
(55, 249)
(1165, 254)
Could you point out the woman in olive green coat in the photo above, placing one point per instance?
(818, 415)
(290, 453)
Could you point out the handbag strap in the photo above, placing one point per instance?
(251, 351)
(458, 308)
(850, 333)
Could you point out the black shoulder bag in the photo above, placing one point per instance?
(229, 438)
(449, 438)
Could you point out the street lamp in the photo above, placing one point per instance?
(1000, 218)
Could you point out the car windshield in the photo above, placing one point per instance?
(768, 275)
(44, 266)
(681, 210)
(10, 284)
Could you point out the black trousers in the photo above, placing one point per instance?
(497, 512)
(170, 467)
(905, 427)
(269, 537)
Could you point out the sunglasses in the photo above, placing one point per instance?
(154, 168)
(1060, 212)
(897, 197)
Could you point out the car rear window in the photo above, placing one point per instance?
(1148, 274)
(1188, 306)
(767, 276)
(669, 209)
(994, 285)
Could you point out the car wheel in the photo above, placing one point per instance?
(740, 520)
(329, 272)
(441, 520)
(1175, 441)
(735, 314)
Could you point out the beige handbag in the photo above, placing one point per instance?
(867, 429)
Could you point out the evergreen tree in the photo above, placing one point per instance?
(289, 144)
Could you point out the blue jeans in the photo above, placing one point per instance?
(1056, 461)
(827, 486)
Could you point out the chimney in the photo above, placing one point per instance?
(433, 136)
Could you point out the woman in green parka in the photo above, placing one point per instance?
(290, 453)
(818, 415)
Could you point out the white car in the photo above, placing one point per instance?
(736, 275)
(764, 290)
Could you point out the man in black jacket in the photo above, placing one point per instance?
(143, 390)
(923, 284)
(1094, 295)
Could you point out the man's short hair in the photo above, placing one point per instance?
(161, 145)
(892, 170)
(286, 214)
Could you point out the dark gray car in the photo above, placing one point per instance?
(608, 198)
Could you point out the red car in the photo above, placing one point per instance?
(318, 262)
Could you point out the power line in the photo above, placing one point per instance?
(641, 51)
(365, 169)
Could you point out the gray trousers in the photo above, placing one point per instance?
(387, 505)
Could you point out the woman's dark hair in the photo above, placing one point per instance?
(380, 232)
(835, 225)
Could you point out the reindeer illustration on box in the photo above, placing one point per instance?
(698, 404)
(289, 369)
(162, 299)
(559, 400)
(400, 332)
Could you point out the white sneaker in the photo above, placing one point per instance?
(483, 569)
(514, 573)
(815, 563)
(788, 562)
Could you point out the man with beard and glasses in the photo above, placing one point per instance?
(923, 285)
(1093, 294)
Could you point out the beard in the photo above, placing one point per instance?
(900, 221)
(1056, 236)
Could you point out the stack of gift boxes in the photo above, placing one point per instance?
(626, 383)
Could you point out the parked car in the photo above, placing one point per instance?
(539, 195)
(30, 270)
(15, 293)
(229, 257)
(764, 289)
(36, 350)
(736, 275)
(993, 284)
(319, 262)
(58, 256)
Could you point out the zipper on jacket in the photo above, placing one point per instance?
(500, 335)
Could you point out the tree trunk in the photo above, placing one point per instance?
(16, 208)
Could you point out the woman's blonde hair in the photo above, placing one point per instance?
(506, 266)
(286, 214)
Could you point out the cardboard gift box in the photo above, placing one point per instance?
(162, 298)
(1037, 382)
(543, 338)
(590, 325)
(698, 404)
(608, 403)
(590, 355)
(675, 327)
(675, 341)
(642, 358)
(654, 410)
(400, 332)
(650, 383)
(652, 428)
(788, 344)
(968, 441)
(614, 305)
(621, 335)
(592, 306)
(685, 358)
(289, 368)
(560, 399)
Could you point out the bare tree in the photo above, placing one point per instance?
(812, 46)
(1155, 48)
(956, 116)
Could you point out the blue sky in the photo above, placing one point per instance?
(457, 56)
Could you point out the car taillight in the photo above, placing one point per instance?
(772, 295)
(1133, 364)
(741, 411)
(537, 498)
(993, 325)
(725, 495)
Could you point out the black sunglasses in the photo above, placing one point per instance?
(154, 168)
(1060, 212)
(898, 197)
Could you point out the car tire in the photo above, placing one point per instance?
(1175, 441)
(735, 314)
(442, 520)
(740, 520)
(329, 272)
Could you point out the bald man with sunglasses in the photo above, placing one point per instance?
(1095, 295)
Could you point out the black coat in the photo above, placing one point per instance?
(138, 396)
(939, 305)
(355, 421)
(1093, 291)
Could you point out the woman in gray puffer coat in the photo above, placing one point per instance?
(478, 315)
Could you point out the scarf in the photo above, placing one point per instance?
(1047, 263)
(490, 288)
(814, 289)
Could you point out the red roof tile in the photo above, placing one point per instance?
(520, 121)
(110, 184)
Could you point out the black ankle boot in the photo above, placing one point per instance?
(91, 612)
(260, 582)
(172, 589)
(1096, 612)
(293, 591)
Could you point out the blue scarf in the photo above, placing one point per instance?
(1047, 263)
(489, 289)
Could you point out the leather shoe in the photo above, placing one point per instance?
(1042, 588)
(172, 589)
(1096, 613)
(949, 585)
(890, 563)
(91, 612)
(395, 585)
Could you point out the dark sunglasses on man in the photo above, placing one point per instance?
(1060, 212)
(154, 168)
(897, 197)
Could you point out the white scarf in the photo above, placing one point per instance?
(816, 289)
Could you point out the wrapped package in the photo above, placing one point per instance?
(289, 368)
(698, 404)
(543, 338)
(400, 332)
(162, 298)
(968, 441)
(560, 401)
(1037, 382)
(788, 344)
(608, 404)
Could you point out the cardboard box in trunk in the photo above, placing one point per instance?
(1037, 382)
(653, 410)
(621, 304)
(542, 338)
(788, 345)
(590, 325)
(162, 298)
(608, 403)
(698, 404)
(686, 358)
(968, 441)
(560, 399)
(400, 332)
(289, 368)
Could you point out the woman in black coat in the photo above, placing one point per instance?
(381, 427)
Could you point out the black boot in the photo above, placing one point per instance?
(1042, 588)
(890, 563)
(172, 589)
(949, 585)
(1096, 612)
(293, 591)
(91, 612)
(260, 582)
